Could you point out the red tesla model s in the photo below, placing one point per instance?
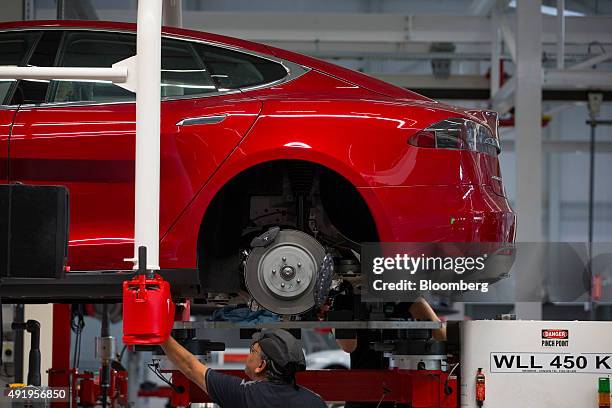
(252, 137)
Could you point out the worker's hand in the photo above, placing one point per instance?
(185, 362)
(166, 343)
(347, 345)
(421, 310)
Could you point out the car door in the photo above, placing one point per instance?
(83, 137)
(6, 120)
(15, 49)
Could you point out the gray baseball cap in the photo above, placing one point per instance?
(283, 349)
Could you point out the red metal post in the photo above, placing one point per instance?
(59, 374)
(157, 392)
(61, 337)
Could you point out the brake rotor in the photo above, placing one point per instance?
(281, 276)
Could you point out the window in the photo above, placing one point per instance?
(231, 69)
(43, 56)
(183, 73)
(83, 49)
(15, 49)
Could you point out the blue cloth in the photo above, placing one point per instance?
(243, 315)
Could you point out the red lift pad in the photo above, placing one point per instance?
(148, 310)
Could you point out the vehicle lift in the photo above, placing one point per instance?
(422, 375)
(420, 378)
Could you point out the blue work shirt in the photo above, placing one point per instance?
(229, 391)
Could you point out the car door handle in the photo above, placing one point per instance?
(202, 120)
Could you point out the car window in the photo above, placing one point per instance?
(232, 69)
(43, 56)
(14, 50)
(84, 49)
(183, 73)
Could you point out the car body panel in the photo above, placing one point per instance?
(410, 203)
(460, 213)
(352, 124)
(6, 120)
(91, 150)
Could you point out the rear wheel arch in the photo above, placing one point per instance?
(220, 234)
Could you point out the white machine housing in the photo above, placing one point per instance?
(543, 364)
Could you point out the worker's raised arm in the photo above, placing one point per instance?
(421, 310)
(347, 345)
(186, 362)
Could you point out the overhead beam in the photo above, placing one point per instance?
(352, 27)
(478, 87)
(370, 28)
(481, 7)
(589, 63)
(579, 95)
(409, 81)
(578, 79)
(379, 27)
(508, 36)
(563, 146)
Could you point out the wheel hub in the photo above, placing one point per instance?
(281, 276)
(287, 273)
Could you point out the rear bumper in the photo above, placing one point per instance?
(456, 213)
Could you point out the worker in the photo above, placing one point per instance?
(364, 357)
(418, 310)
(275, 356)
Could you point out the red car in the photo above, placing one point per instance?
(252, 137)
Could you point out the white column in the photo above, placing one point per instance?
(496, 39)
(173, 13)
(528, 120)
(134, 377)
(148, 50)
(528, 104)
(554, 189)
(29, 10)
(560, 34)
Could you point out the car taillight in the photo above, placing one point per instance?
(457, 133)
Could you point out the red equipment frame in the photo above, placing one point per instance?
(419, 389)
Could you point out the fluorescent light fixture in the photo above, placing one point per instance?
(551, 11)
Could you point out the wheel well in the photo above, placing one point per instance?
(270, 194)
